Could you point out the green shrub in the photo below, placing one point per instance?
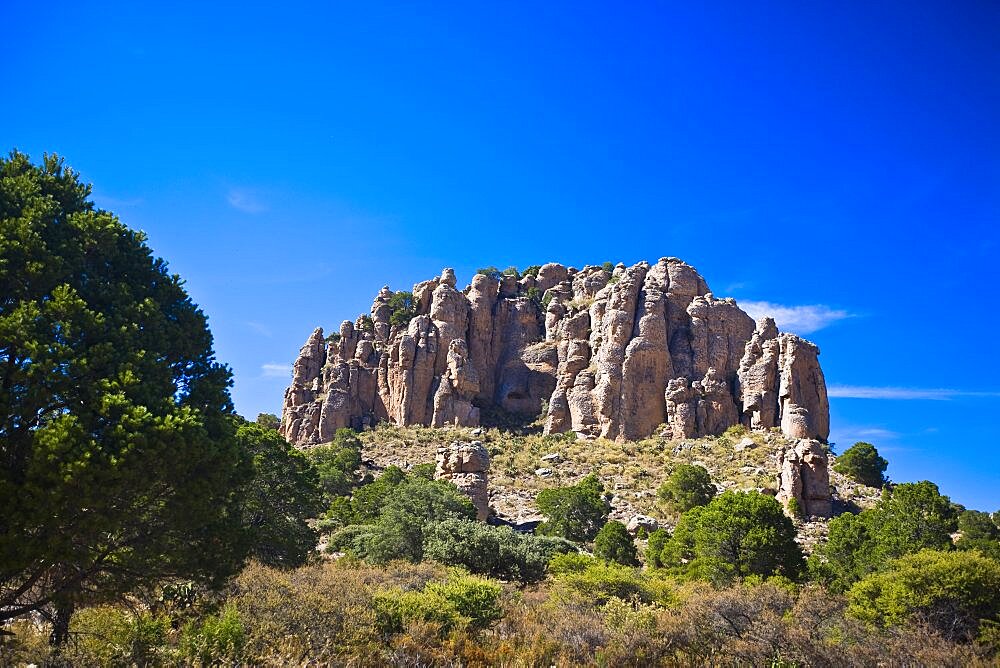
(979, 532)
(862, 463)
(336, 463)
(460, 601)
(403, 307)
(495, 551)
(570, 562)
(600, 581)
(951, 591)
(282, 497)
(109, 635)
(425, 471)
(576, 512)
(613, 543)
(908, 518)
(794, 507)
(688, 486)
(216, 639)
(738, 534)
(351, 539)
(417, 502)
(368, 500)
(654, 547)
(490, 271)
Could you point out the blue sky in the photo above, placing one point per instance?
(839, 161)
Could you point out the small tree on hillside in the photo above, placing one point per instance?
(576, 512)
(862, 463)
(907, 519)
(736, 535)
(336, 462)
(688, 486)
(613, 543)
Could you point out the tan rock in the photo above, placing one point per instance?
(805, 477)
(613, 354)
(466, 465)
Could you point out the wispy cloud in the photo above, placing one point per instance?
(272, 370)
(932, 394)
(261, 329)
(246, 201)
(798, 319)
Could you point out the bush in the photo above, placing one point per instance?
(216, 639)
(613, 543)
(951, 591)
(458, 602)
(399, 531)
(687, 487)
(109, 635)
(738, 534)
(498, 552)
(336, 463)
(368, 500)
(351, 539)
(907, 519)
(576, 512)
(599, 581)
(490, 271)
(978, 533)
(283, 495)
(862, 463)
(654, 547)
(403, 307)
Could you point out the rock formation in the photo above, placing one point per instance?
(805, 477)
(465, 465)
(612, 352)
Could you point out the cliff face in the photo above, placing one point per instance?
(611, 354)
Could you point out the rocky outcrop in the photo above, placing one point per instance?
(614, 352)
(466, 465)
(781, 384)
(805, 477)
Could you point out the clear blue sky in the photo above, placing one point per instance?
(840, 160)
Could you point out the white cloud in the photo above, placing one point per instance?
(276, 370)
(245, 201)
(798, 319)
(259, 328)
(933, 394)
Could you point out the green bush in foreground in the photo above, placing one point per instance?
(908, 518)
(951, 591)
(462, 601)
(738, 534)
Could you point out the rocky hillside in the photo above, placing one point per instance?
(609, 352)
(517, 466)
